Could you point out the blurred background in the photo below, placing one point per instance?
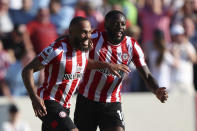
(165, 29)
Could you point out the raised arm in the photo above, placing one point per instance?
(160, 92)
(27, 75)
(114, 68)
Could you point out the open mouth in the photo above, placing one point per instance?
(118, 34)
(85, 43)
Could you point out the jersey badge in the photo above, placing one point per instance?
(62, 114)
(125, 56)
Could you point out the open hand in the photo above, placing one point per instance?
(117, 68)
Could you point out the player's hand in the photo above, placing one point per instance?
(161, 94)
(117, 68)
(38, 106)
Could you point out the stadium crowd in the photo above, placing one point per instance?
(165, 29)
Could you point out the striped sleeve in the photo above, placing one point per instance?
(138, 55)
(49, 53)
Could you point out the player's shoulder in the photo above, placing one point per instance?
(61, 41)
(56, 45)
(130, 40)
(130, 37)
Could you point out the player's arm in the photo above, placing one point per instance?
(27, 75)
(161, 93)
(114, 68)
(139, 61)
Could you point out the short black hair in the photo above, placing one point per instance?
(76, 20)
(112, 13)
(13, 108)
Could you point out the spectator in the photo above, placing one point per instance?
(161, 60)
(41, 31)
(13, 83)
(6, 25)
(79, 10)
(6, 60)
(191, 34)
(187, 10)
(154, 16)
(23, 15)
(37, 4)
(106, 7)
(60, 15)
(182, 76)
(15, 124)
(71, 3)
(134, 31)
(18, 39)
(15, 4)
(94, 16)
(190, 31)
(189, 27)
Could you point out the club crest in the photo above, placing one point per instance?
(125, 56)
(62, 114)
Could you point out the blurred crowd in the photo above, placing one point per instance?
(165, 29)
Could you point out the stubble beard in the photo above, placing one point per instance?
(79, 45)
(112, 36)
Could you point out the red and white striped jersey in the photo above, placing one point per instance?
(100, 85)
(64, 68)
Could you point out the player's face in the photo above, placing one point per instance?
(116, 27)
(82, 34)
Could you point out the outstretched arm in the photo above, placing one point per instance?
(27, 75)
(114, 68)
(160, 92)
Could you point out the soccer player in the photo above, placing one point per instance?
(99, 99)
(64, 62)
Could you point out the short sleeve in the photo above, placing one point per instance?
(49, 53)
(137, 55)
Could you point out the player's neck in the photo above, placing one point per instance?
(110, 40)
(72, 43)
